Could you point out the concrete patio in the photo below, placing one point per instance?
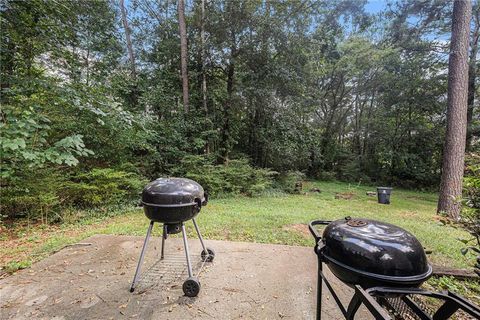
(246, 281)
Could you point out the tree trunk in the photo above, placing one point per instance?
(226, 143)
(183, 52)
(454, 148)
(204, 71)
(131, 55)
(203, 53)
(472, 70)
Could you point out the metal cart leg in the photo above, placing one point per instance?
(164, 236)
(142, 255)
(185, 244)
(199, 236)
(319, 290)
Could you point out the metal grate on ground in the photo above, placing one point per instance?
(169, 271)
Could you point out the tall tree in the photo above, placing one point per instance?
(203, 54)
(183, 52)
(203, 68)
(131, 54)
(454, 148)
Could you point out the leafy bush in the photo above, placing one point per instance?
(46, 194)
(101, 187)
(235, 177)
(32, 194)
(470, 216)
(288, 181)
(325, 175)
(471, 182)
(24, 142)
(350, 170)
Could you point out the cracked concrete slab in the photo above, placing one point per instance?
(245, 281)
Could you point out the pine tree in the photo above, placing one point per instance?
(454, 147)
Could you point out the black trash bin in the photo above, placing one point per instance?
(383, 194)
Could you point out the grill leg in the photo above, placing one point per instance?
(164, 236)
(200, 236)
(353, 306)
(185, 244)
(319, 290)
(142, 255)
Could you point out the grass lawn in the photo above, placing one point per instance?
(279, 219)
(275, 218)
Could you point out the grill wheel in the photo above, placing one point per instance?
(208, 256)
(191, 287)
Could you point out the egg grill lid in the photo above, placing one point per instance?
(374, 247)
(173, 192)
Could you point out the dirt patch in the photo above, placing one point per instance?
(298, 228)
(345, 195)
(443, 220)
(409, 214)
(24, 242)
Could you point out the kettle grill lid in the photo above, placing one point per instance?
(374, 247)
(173, 192)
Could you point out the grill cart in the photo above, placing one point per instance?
(385, 265)
(172, 202)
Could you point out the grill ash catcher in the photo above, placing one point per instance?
(385, 265)
(173, 201)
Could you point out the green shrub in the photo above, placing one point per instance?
(325, 175)
(25, 145)
(102, 187)
(288, 181)
(47, 194)
(471, 183)
(235, 177)
(32, 194)
(470, 215)
(351, 171)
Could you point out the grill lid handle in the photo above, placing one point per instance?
(314, 230)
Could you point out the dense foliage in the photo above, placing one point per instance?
(472, 182)
(235, 177)
(470, 217)
(327, 89)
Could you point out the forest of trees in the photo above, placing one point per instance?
(99, 96)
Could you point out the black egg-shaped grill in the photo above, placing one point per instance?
(373, 253)
(172, 201)
(385, 265)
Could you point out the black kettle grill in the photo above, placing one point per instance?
(381, 262)
(172, 201)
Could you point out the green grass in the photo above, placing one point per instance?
(267, 219)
